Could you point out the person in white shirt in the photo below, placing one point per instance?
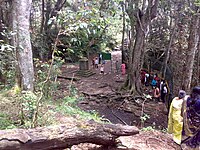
(163, 91)
(96, 62)
(102, 69)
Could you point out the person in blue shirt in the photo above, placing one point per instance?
(153, 83)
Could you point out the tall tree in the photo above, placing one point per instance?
(192, 48)
(141, 13)
(123, 33)
(167, 51)
(21, 17)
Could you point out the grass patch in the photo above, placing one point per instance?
(9, 110)
(149, 128)
(49, 111)
(69, 107)
(5, 122)
(78, 113)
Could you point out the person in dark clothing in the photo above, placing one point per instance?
(163, 92)
(191, 119)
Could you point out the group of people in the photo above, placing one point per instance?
(184, 111)
(95, 63)
(98, 62)
(159, 86)
(184, 118)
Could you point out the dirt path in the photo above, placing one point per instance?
(100, 92)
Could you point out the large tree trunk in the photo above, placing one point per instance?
(143, 19)
(192, 48)
(63, 136)
(22, 43)
(136, 58)
(51, 11)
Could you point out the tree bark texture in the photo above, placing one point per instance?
(143, 19)
(123, 34)
(22, 43)
(192, 48)
(51, 12)
(63, 136)
(42, 19)
(167, 52)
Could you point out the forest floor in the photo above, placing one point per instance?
(101, 93)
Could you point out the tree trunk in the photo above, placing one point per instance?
(192, 47)
(136, 57)
(123, 33)
(22, 43)
(63, 136)
(167, 52)
(143, 19)
(42, 19)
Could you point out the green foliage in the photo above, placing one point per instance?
(143, 118)
(28, 107)
(197, 2)
(25, 104)
(5, 122)
(69, 107)
(46, 117)
(88, 26)
(70, 100)
(42, 69)
(149, 128)
(72, 91)
(40, 45)
(164, 130)
(7, 58)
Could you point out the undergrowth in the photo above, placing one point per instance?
(27, 109)
(17, 110)
(5, 122)
(69, 107)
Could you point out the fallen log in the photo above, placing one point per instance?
(69, 78)
(63, 136)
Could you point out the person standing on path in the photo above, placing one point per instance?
(191, 119)
(96, 62)
(156, 93)
(123, 68)
(93, 63)
(102, 69)
(117, 65)
(175, 120)
(163, 91)
(100, 58)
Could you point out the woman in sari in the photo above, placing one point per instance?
(175, 120)
(191, 119)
